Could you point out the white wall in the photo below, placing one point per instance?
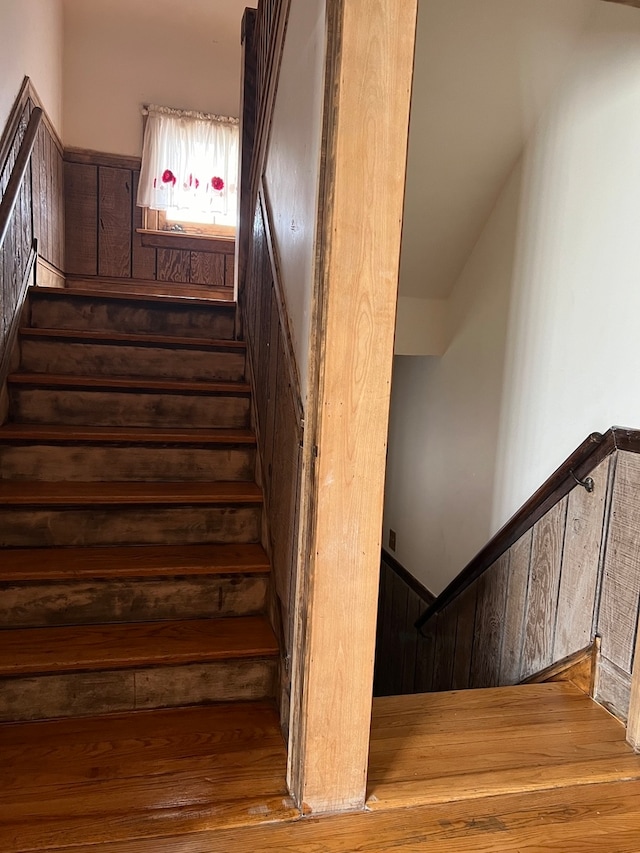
(31, 45)
(293, 165)
(445, 416)
(120, 54)
(546, 346)
(421, 326)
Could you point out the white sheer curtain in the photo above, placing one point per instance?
(189, 163)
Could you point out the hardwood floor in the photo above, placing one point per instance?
(112, 778)
(531, 768)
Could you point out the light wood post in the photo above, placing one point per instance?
(369, 73)
(633, 721)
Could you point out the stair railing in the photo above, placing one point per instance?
(8, 203)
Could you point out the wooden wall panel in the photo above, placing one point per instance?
(114, 222)
(538, 603)
(580, 559)
(621, 579)
(37, 214)
(489, 624)
(544, 584)
(143, 260)
(278, 424)
(401, 653)
(81, 213)
(207, 269)
(173, 265)
(465, 633)
(515, 612)
(103, 231)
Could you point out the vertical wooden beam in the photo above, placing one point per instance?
(370, 46)
(633, 720)
(246, 201)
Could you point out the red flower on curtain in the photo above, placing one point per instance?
(168, 177)
(217, 183)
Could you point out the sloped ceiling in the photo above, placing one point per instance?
(484, 71)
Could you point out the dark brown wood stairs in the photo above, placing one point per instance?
(131, 571)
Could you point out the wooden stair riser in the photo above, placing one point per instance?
(56, 462)
(34, 605)
(117, 408)
(84, 694)
(115, 315)
(152, 288)
(39, 528)
(93, 359)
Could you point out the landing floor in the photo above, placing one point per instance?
(534, 768)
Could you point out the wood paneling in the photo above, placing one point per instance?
(544, 584)
(400, 649)
(579, 580)
(37, 215)
(278, 423)
(618, 617)
(81, 209)
(104, 237)
(572, 577)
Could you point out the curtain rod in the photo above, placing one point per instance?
(170, 111)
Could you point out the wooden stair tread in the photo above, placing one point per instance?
(467, 744)
(80, 336)
(64, 434)
(30, 564)
(135, 385)
(141, 774)
(41, 493)
(133, 296)
(29, 651)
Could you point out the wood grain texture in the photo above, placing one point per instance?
(580, 565)
(544, 583)
(27, 651)
(81, 217)
(613, 688)
(46, 527)
(102, 563)
(633, 718)
(621, 579)
(73, 602)
(160, 772)
(36, 213)
(114, 221)
(14, 493)
(606, 812)
(143, 258)
(465, 632)
(370, 55)
(516, 610)
(131, 313)
(207, 268)
(489, 624)
(174, 265)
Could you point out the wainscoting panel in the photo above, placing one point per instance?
(103, 235)
(400, 602)
(37, 216)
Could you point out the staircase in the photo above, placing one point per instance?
(131, 570)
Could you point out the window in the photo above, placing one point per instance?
(189, 171)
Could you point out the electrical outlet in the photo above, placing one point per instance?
(392, 540)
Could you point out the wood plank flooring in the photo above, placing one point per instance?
(508, 770)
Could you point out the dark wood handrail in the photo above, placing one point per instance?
(10, 197)
(582, 461)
